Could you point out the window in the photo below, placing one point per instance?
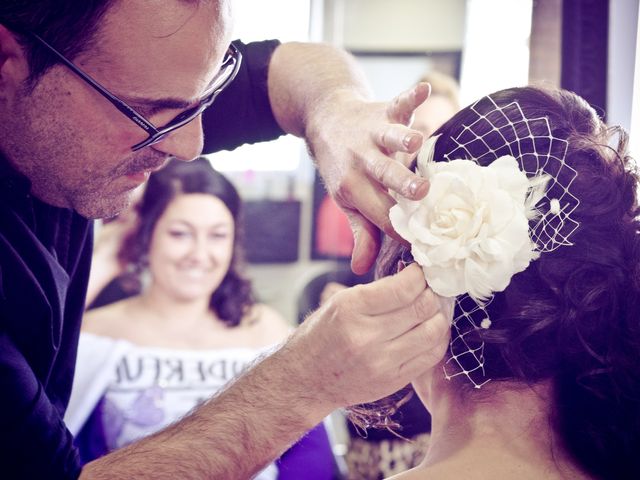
(496, 47)
(286, 20)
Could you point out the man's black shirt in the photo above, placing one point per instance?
(45, 256)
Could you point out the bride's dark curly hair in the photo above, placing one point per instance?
(573, 316)
(233, 298)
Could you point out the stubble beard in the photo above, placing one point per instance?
(104, 196)
(62, 162)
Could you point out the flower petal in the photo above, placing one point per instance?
(471, 232)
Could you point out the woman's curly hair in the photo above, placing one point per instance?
(572, 317)
(233, 299)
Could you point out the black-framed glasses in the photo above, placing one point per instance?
(228, 71)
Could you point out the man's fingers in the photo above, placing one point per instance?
(395, 176)
(373, 203)
(409, 317)
(398, 138)
(412, 319)
(366, 243)
(405, 159)
(428, 333)
(416, 351)
(425, 361)
(401, 108)
(391, 293)
(418, 320)
(429, 340)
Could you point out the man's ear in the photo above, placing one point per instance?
(14, 66)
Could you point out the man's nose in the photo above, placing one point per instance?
(184, 143)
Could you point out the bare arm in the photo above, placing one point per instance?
(104, 263)
(364, 343)
(232, 436)
(361, 147)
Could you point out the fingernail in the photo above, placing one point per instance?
(411, 141)
(418, 188)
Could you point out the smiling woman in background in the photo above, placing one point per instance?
(146, 361)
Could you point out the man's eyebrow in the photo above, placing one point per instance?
(158, 104)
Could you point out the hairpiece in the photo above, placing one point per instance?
(498, 132)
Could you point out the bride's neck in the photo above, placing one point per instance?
(502, 424)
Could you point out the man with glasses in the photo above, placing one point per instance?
(96, 94)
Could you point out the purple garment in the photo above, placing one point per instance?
(311, 458)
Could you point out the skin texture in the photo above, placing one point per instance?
(72, 143)
(363, 344)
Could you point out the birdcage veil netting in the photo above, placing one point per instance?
(495, 131)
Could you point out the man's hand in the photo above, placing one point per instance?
(368, 341)
(362, 150)
(329, 290)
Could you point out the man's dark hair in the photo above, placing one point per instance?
(69, 25)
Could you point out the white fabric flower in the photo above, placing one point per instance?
(470, 233)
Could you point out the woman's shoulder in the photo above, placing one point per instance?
(108, 320)
(270, 323)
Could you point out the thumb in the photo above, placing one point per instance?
(366, 243)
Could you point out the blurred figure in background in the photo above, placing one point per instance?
(443, 103)
(146, 361)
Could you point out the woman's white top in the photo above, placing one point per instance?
(147, 388)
